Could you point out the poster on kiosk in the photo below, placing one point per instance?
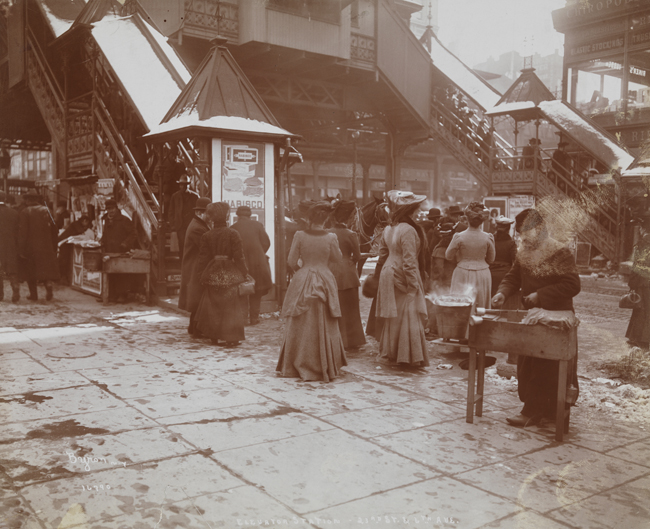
(243, 176)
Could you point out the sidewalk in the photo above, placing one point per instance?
(113, 417)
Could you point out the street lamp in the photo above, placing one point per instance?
(355, 136)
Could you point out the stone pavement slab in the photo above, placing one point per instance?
(21, 384)
(627, 506)
(132, 386)
(637, 453)
(437, 502)
(392, 418)
(319, 470)
(57, 403)
(139, 491)
(182, 402)
(36, 460)
(225, 434)
(456, 446)
(554, 476)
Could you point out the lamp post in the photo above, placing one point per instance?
(355, 136)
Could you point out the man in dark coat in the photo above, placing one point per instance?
(37, 244)
(181, 210)
(190, 286)
(546, 273)
(256, 244)
(9, 248)
(119, 236)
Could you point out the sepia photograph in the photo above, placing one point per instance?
(324, 263)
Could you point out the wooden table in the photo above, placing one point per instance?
(503, 332)
(123, 264)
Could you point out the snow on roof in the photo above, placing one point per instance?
(170, 52)
(223, 123)
(463, 76)
(584, 132)
(59, 25)
(506, 108)
(149, 84)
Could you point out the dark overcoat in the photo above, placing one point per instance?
(345, 270)
(119, 235)
(181, 209)
(190, 293)
(505, 255)
(37, 244)
(256, 243)
(550, 271)
(8, 240)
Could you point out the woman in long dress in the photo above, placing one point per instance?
(346, 276)
(221, 268)
(638, 330)
(473, 250)
(312, 348)
(400, 297)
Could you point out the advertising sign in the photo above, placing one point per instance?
(243, 178)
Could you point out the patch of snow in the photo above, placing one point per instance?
(163, 42)
(463, 76)
(148, 83)
(504, 108)
(59, 26)
(586, 134)
(639, 170)
(225, 123)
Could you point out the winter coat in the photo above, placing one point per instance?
(8, 240)
(190, 293)
(37, 244)
(119, 235)
(256, 243)
(345, 271)
(181, 209)
(550, 271)
(225, 242)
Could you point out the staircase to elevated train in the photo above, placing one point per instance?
(101, 79)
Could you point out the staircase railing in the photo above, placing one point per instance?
(458, 136)
(116, 159)
(46, 90)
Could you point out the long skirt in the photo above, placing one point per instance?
(537, 384)
(374, 325)
(478, 282)
(219, 315)
(350, 321)
(312, 347)
(402, 338)
(638, 330)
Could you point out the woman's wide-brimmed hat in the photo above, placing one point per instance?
(404, 198)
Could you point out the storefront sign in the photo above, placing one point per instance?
(243, 178)
(585, 11)
(598, 47)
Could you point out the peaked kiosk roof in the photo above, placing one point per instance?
(219, 98)
(523, 97)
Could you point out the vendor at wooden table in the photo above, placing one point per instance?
(119, 236)
(546, 273)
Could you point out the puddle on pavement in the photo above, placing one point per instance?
(28, 397)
